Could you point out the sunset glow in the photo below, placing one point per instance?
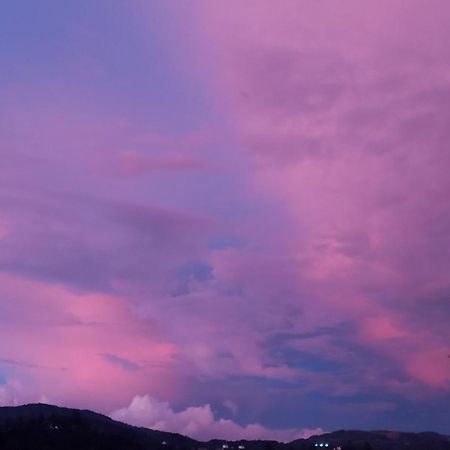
(228, 218)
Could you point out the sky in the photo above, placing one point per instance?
(228, 219)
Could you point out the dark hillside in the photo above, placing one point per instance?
(47, 427)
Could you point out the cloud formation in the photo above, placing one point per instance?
(346, 126)
(247, 211)
(199, 422)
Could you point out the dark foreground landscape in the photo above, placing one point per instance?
(47, 427)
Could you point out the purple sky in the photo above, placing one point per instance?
(227, 218)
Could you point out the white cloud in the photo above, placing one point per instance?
(199, 422)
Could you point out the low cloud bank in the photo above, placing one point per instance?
(199, 422)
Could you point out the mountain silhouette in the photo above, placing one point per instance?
(47, 427)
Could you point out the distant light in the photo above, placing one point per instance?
(326, 445)
(321, 445)
(316, 444)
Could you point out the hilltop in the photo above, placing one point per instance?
(47, 427)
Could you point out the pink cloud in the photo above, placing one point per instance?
(431, 367)
(263, 213)
(67, 359)
(342, 111)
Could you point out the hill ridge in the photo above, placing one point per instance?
(42, 426)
